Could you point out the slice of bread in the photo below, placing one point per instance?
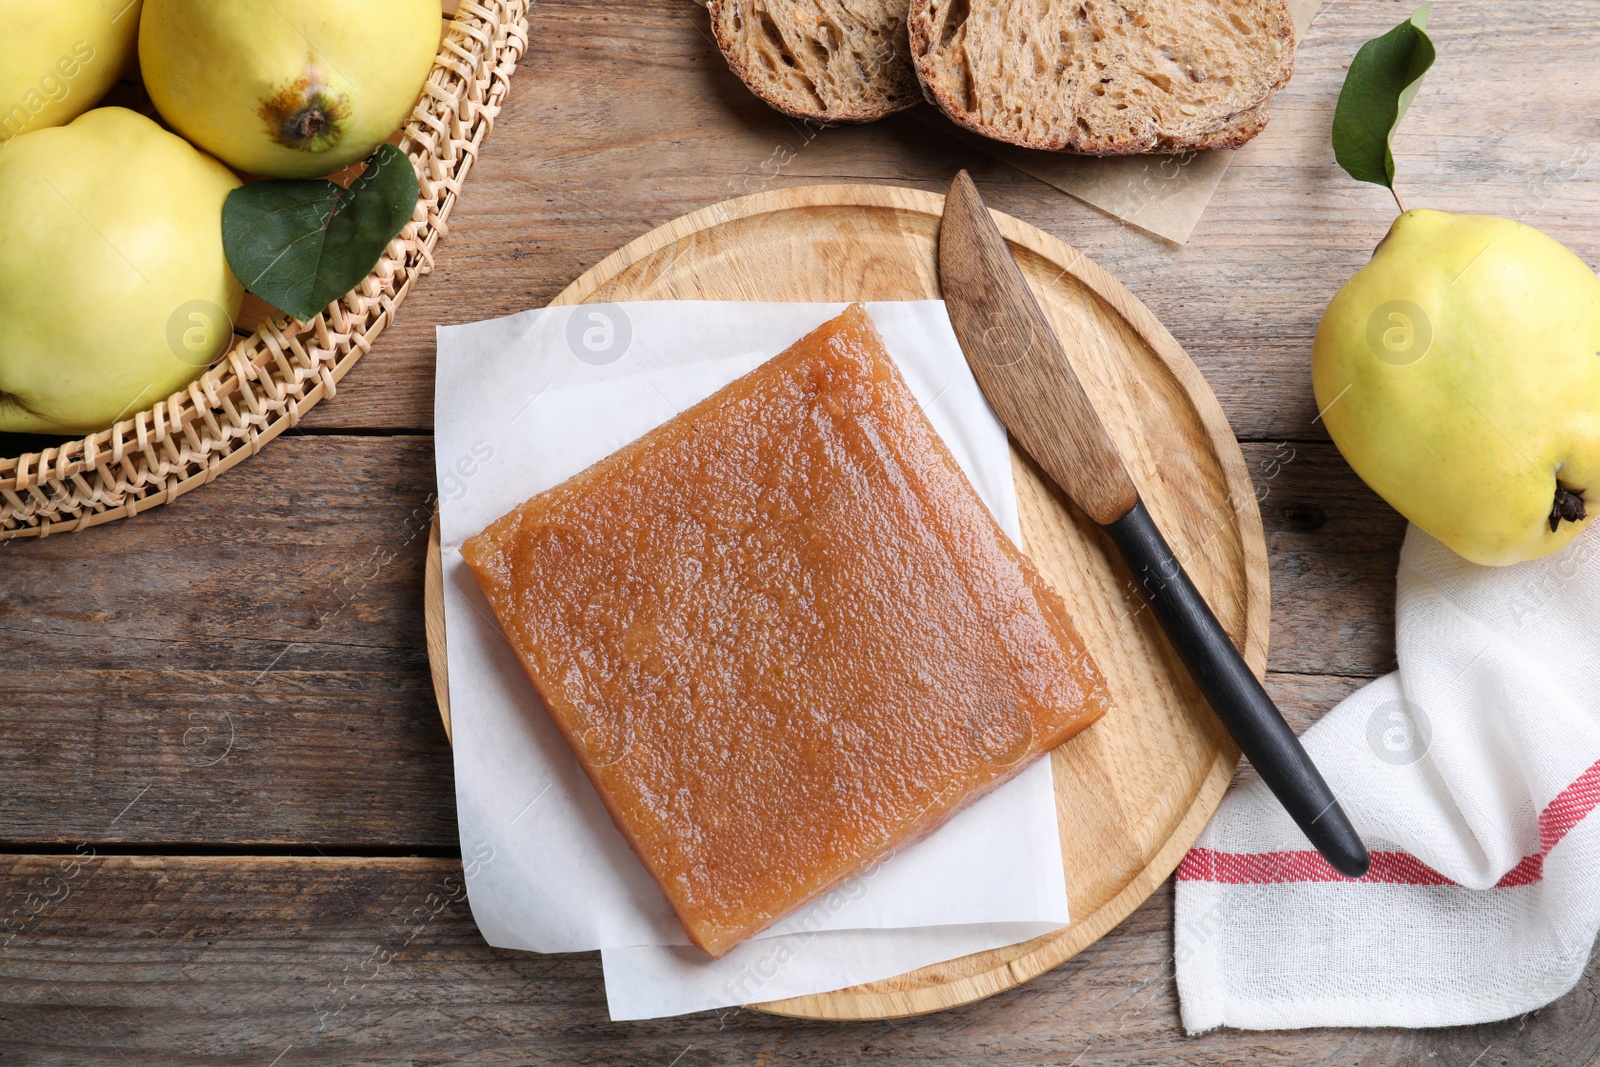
(1105, 77)
(825, 60)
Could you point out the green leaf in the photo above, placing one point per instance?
(301, 245)
(1383, 79)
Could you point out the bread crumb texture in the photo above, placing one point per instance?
(1103, 77)
(826, 60)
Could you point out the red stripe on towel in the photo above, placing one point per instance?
(1568, 809)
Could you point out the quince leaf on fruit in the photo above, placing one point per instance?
(1383, 78)
(301, 245)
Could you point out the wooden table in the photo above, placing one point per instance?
(225, 798)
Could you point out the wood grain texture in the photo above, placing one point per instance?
(182, 962)
(251, 666)
(1020, 363)
(1134, 792)
(433, 620)
(624, 118)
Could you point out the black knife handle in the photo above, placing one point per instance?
(1234, 693)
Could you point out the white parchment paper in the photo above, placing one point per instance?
(525, 402)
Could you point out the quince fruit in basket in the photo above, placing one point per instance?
(114, 291)
(287, 88)
(58, 59)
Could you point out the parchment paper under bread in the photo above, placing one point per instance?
(1165, 195)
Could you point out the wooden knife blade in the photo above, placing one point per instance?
(1019, 362)
(1025, 375)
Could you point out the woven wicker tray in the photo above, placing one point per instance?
(268, 380)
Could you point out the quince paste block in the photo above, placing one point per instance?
(783, 635)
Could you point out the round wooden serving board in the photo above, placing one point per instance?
(1134, 790)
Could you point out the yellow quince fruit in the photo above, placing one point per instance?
(287, 88)
(114, 291)
(1459, 373)
(58, 59)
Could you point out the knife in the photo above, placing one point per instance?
(1025, 375)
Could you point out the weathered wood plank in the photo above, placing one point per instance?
(325, 758)
(241, 960)
(246, 665)
(308, 555)
(338, 760)
(625, 117)
(1333, 546)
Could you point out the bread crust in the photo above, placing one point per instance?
(1233, 131)
(879, 106)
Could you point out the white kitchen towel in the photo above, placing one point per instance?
(1471, 773)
